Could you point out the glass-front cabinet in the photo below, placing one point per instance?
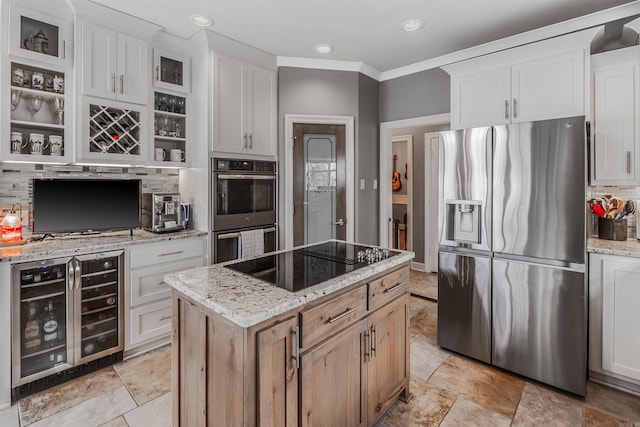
(171, 71)
(112, 133)
(169, 134)
(37, 124)
(38, 36)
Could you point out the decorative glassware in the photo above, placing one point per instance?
(162, 102)
(57, 106)
(35, 103)
(171, 104)
(15, 100)
(181, 105)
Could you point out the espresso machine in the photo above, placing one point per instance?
(161, 212)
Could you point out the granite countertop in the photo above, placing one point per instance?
(72, 245)
(247, 301)
(629, 247)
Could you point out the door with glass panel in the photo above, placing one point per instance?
(319, 183)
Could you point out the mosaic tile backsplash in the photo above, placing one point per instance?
(15, 182)
(625, 193)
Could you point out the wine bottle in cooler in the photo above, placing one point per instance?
(32, 336)
(50, 326)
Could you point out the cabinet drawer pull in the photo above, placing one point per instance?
(628, 162)
(171, 253)
(367, 346)
(374, 342)
(340, 316)
(121, 83)
(250, 140)
(506, 108)
(113, 82)
(393, 288)
(64, 49)
(515, 108)
(296, 346)
(157, 73)
(163, 318)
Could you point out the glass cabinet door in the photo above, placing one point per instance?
(39, 36)
(40, 318)
(171, 71)
(100, 303)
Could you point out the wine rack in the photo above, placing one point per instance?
(114, 130)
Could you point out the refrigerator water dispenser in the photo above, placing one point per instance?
(464, 219)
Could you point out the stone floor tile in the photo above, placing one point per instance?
(425, 358)
(156, 413)
(66, 395)
(417, 304)
(427, 407)
(466, 413)
(425, 323)
(92, 412)
(489, 387)
(543, 406)
(424, 284)
(595, 418)
(147, 376)
(116, 422)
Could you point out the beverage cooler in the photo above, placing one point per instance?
(66, 312)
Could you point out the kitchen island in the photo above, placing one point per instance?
(249, 352)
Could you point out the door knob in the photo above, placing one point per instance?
(339, 222)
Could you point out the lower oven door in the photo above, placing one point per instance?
(226, 244)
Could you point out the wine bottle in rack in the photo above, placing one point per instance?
(50, 325)
(32, 337)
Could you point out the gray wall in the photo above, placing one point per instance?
(421, 94)
(340, 93)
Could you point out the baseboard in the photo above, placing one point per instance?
(617, 383)
(418, 266)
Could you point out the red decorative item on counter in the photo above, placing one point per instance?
(598, 210)
(11, 225)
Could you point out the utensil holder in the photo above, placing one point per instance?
(612, 229)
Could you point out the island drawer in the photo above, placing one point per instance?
(387, 288)
(321, 321)
(166, 252)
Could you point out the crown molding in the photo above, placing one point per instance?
(576, 24)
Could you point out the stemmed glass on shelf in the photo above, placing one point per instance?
(15, 100)
(57, 106)
(35, 103)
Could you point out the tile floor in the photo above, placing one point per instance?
(424, 284)
(447, 390)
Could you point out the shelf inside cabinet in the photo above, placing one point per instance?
(169, 138)
(38, 125)
(168, 114)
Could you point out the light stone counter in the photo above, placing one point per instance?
(629, 247)
(247, 301)
(73, 245)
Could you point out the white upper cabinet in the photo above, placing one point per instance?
(114, 65)
(523, 84)
(615, 149)
(544, 88)
(171, 71)
(40, 36)
(244, 107)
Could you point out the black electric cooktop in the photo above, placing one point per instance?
(301, 268)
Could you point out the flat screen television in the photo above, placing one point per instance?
(85, 205)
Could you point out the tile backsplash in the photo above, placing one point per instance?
(625, 193)
(16, 179)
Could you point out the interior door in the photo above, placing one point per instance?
(319, 183)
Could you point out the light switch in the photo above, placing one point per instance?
(375, 184)
(362, 184)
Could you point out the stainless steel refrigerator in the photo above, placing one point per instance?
(512, 287)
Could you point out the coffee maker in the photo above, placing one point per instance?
(161, 212)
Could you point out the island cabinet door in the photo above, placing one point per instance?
(332, 380)
(278, 375)
(388, 367)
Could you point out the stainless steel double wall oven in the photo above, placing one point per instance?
(244, 198)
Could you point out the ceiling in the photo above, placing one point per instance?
(366, 31)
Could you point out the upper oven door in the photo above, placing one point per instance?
(244, 200)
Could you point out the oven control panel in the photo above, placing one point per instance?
(243, 165)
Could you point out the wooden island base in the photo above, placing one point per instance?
(340, 360)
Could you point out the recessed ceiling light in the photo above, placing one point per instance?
(412, 24)
(324, 48)
(201, 20)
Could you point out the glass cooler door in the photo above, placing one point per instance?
(98, 305)
(41, 322)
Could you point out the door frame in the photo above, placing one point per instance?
(348, 122)
(385, 166)
(431, 233)
(408, 144)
